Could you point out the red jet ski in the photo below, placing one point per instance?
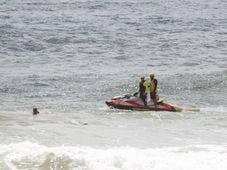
(133, 102)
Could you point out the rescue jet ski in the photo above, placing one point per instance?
(133, 102)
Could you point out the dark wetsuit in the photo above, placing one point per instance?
(142, 90)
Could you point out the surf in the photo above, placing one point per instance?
(29, 155)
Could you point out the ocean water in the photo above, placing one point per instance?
(67, 57)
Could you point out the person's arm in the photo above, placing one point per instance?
(140, 88)
(155, 84)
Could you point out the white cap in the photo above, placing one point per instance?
(151, 74)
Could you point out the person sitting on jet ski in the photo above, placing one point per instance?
(143, 90)
(153, 88)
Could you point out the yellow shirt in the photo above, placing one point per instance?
(151, 86)
(145, 84)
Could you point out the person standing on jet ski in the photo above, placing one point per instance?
(143, 90)
(153, 88)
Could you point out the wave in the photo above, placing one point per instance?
(218, 109)
(29, 155)
(195, 81)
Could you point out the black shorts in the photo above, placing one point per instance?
(153, 95)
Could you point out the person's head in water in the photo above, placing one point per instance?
(35, 111)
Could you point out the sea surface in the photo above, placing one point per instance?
(67, 57)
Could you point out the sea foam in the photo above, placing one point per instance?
(29, 155)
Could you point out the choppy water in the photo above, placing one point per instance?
(67, 57)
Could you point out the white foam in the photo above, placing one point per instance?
(29, 155)
(219, 109)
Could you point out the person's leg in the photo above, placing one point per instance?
(153, 97)
(143, 97)
(145, 100)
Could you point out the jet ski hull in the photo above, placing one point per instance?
(130, 105)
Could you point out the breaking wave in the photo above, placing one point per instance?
(29, 155)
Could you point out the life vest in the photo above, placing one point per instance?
(145, 84)
(151, 86)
